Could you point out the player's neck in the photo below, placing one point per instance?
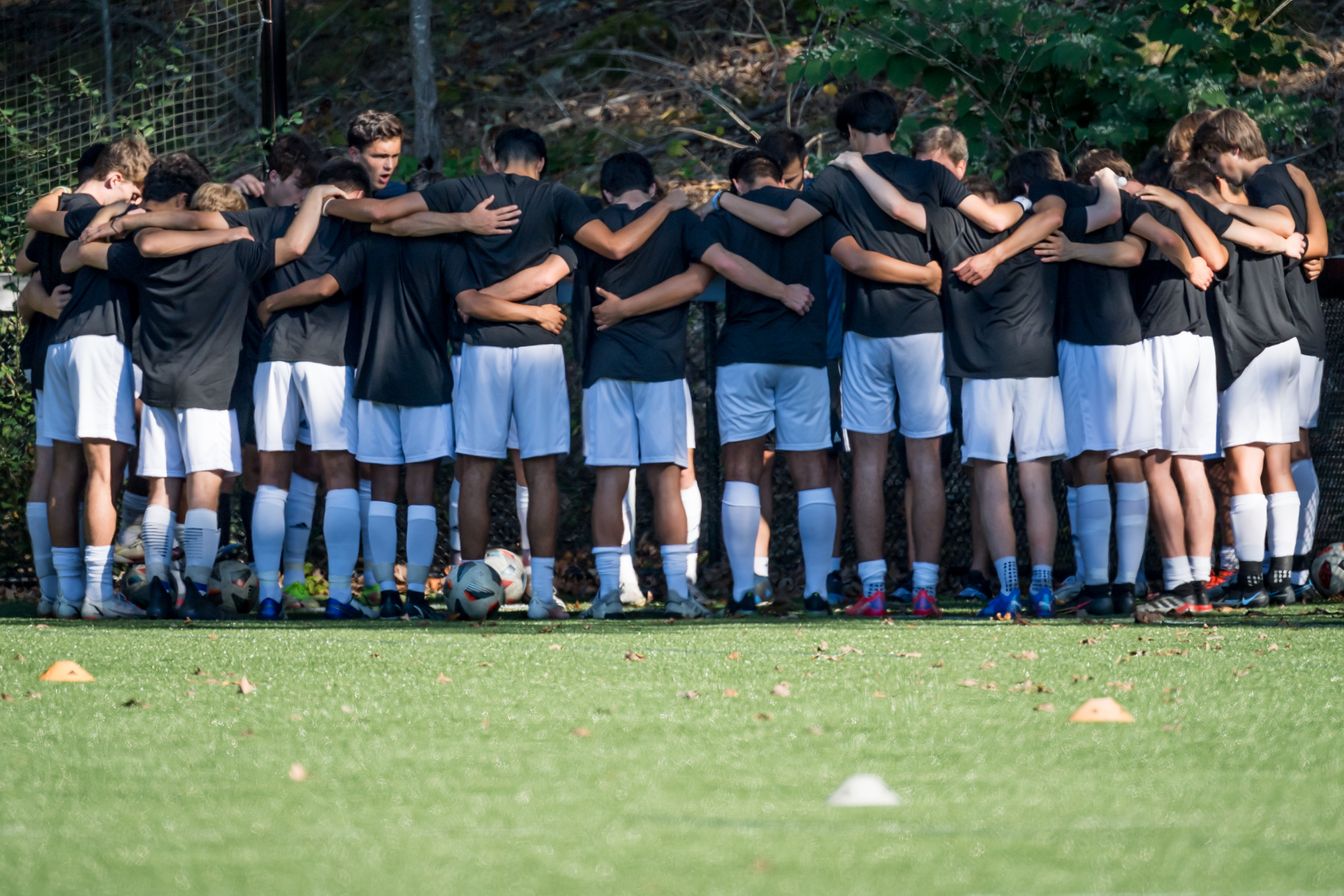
(521, 170)
(1253, 166)
(867, 144)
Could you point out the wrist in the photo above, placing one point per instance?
(1025, 202)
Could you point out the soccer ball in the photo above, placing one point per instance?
(1327, 570)
(135, 585)
(512, 573)
(477, 591)
(235, 585)
(129, 548)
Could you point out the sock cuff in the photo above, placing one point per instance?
(95, 553)
(673, 549)
(66, 552)
(1245, 502)
(1131, 490)
(921, 566)
(1279, 498)
(604, 549)
(37, 508)
(1303, 464)
(343, 497)
(693, 487)
(741, 494)
(1095, 492)
(382, 508)
(868, 568)
(156, 513)
(809, 496)
(267, 493)
(521, 491)
(201, 518)
(417, 512)
(543, 562)
(301, 485)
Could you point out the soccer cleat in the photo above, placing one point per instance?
(162, 603)
(904, 590)
(67, 610)
(1042, 599)
(870, 606)
(270, 610)
(974, 586)
(816, 605)
(196, 606)
(1305, 593)
(835, 588)
(1005, 607)
(1122, 599)
(631, 595)
(925, 605)
(1068, 589)
(1243, 598)
(352, 609)
(46, 607)
(417, 607)
(1221, 577)
(683, 607)
(547, 609)
(741, 606)
(1080, 600)
(114, 607)
(605, 606)
(296, 597)
(391, 606)
(1283, 595)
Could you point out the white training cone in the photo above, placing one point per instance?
(864, 790)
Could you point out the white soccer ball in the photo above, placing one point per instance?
(129, 548)
(512, 573)
(477, 591)
(1327, 570)
(234, 584)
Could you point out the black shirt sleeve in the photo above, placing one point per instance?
(1217, 221)
(712, 230)
(255, 259)
(1132, 209)
(1266, 191)
(349, 268)
(822, 192)
(446, 197)
(570, 210)
(262, 223)
(950, 191)
(76, 220)
(832, 232)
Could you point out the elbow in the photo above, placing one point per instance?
(1054, 218)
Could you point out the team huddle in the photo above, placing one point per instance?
(1156, 330)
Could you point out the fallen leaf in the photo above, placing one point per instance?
(969, 683)
(20, 658)
(689, 695)
(7, 698)
(823, 647)
(1122, 686)
(484, 665)
(763, 717)
(988, 664)
(814, 730)
(879, 695)
(297, 772)
(1242, 673)
(908, 654)
(296, 717)
(245, 686)
(485, 723)
(1077, 678)
(729, 692)
(212, 637)
(347, 709)
(1026, 655)
(131, 704)
(1087, 641)
(34, 695)
(735, 655)
(443, 679)
(781, 690)
(634, 657)
(41, 626)
(1045, 707)
(555, 647)
(581, 732)
(936, 664)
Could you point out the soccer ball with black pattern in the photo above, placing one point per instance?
(234, 585)
(1327, 570)
(477, 591)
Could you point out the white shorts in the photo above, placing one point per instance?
(792, 400)
(1260, 407)
(39, 412)
(500, 385)
(393, 434)
(1185, 393)
(878, 371)
(175, 442)
(138, 376)
(89, 391)
(690, 418)
(1024, 416)
(628, 423)
(288, 393)
(1309, 379)
(1108, 398)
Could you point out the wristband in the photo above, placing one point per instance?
(714, 202)
(326, 202)
(1024, 202)
(1121, 181)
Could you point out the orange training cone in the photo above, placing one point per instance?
(1101, 709)
(68, 671)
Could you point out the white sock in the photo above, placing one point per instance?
(629, 578)
(383, 536)
(873, 575)
(69, 563)
(132, 510)
(200, 541)
(1131, 529)
(924, 575)
(1201, 568)
(1006, 568)
(816, 531)
(1309, 501)
(155, 535)
(454, 532)
(268, 538)
(628, 517)
(543, 579)
(1175, 572)
(1283, 512)
(1042, 575)
(366, 543)
(1250, 522)
(691, 501)
(340, 531)
(760, 566)
(299, 508)
(98, 572)
(520, 502)
(741, 519)
(608, 562)
(1094, 532)
(40, 536)
(1075, 534)
(422, 532)
(674, 570)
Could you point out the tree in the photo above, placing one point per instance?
(426, 143)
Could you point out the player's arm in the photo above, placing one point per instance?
(883, 192)
(1173, 247)
(309, 292)
(617, 244)
(1124, 253)
(1266, 242)
(70, 257)
(45, 216)
(794, 296)
(1318, 238)
(530, 281)
(299, 234)
(992, 217)
(473, 303)
(1047, 217)
(780, 222)
(1206, 242)
(171, 243)
(481, 220)
(885, 269)
(34, 300)
(1107, 209)
(673, 291)
(1277, 218)
(377, 211)
(183, 219)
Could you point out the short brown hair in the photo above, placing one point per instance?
(213, 197)
(129, 156)
(1033, 165)
(981, 186)
(1194, 174)
(1181, 137)
(1228, 130)
(951, 141)
(370, 126)
(292, 152)
(1092, 161)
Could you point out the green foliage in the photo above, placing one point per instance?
(16, 436)
(1019, 73)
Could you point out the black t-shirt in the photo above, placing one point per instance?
(99, 305)
(191, 318)
(885, 309)
(652, 347)
(1249, 310)
(550, 212)
(45, 250)
(265, 224)
(1164, 298)
(758, 329)
(1094, 302)
(408, 287)
(1273, 185)
(1005, 327)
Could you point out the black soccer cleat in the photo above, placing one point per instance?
(162, 602)
(197, 606)
(816, 605)
(391, 606)
(417, 607)
(1122, 599)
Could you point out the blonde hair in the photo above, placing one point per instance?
(950, 141)
(1181, 137)
(129, 156)
(1092, 161)
(212, 197)
(1228, 130)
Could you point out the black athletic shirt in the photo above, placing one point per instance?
(191, 318)
(886, 309)
(650, 348)
(408, 288)
(265, 225)
(1164, 298)
(1005, 327)
(1273, 185)
(99, 305)
(1094, 302)
(550, 212)
(758, 329)
(1249, 310)
(45, 250)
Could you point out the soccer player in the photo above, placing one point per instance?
(192, 307)
(117, 176)
(1231, 141)
(291, 168)
(373, 139)
(893, 339)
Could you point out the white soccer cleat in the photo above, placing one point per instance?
(1068, 589)
(631, 595)
(114, 607)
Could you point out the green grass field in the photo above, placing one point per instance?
(648, 757)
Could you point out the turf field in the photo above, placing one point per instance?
(648, 757)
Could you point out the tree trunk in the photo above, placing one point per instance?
(426, 142)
